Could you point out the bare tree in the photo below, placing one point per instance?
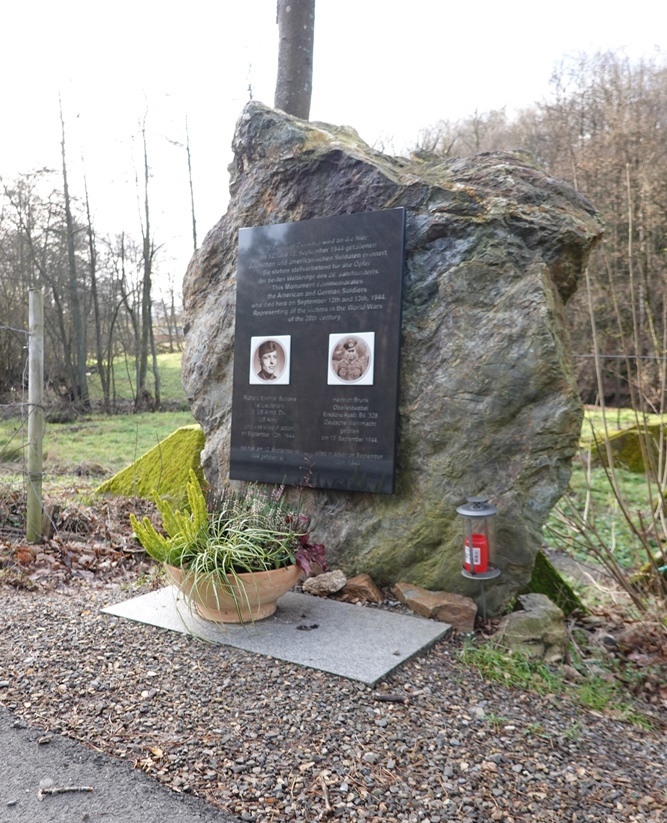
(192, 191)
(147, 334)
(80, 349)
(97, 315)
(296, 32)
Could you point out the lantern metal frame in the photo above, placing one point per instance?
(479, 508)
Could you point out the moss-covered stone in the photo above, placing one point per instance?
(547, 580)
(165, 468)
(630, 447)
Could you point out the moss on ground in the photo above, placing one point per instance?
(547, 580)
(164, 469)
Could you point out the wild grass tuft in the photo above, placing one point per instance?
(518, 671)
(597, 693)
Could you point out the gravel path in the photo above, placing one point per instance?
(269, 741)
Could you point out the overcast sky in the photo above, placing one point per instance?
(389, 70)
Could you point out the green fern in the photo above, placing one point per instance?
(186, 530)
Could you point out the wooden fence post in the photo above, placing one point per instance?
(35, 415)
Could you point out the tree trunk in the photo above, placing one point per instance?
(99, 351)
(192, 191)
(296, 29)
(81, 383)
(143, 397)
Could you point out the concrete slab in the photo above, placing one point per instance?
(356, 642)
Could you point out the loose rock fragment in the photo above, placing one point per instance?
(325, 584)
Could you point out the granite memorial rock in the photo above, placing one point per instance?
(494, 249)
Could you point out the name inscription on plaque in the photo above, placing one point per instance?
(316, 355)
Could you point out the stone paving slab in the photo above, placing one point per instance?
(356, 642)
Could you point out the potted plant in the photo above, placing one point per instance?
(235, 555)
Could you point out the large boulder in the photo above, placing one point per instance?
(488, 404)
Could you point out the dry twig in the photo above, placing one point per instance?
(62, 790)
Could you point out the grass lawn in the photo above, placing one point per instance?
(593, 493)
(594, 428)
(169, 368)
(111, 442)
(590, 492)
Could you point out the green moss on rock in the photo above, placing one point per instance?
(547, 580)
(165, 468)
(628, 447)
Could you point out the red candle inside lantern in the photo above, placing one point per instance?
(479, 562)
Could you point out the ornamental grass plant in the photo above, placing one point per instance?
(233, 533)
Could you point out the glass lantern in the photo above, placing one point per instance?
(479, 538)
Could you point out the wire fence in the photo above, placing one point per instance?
(20, 405)
(11, 328)
(624, 356)
(14, 445)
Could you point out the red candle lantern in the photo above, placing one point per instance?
(478, 537)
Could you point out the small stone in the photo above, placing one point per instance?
(324, 584)
(362, 589)
(572, 674)
(456, 609)
(370, 757)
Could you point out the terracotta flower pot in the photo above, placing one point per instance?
(254, 597)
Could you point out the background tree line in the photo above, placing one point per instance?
(101, 312)
(604, 130)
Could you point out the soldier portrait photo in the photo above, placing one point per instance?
(350, 358)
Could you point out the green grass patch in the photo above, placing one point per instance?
(590, 492)
(498, 665)
(169, 368)
(593, 493)
(617, 419)
(604, 695)
(112, 442)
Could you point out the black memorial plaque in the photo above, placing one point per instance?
(316, 355)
